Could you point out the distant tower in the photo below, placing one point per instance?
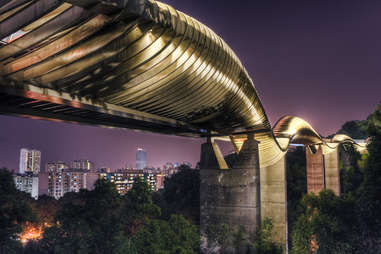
(141, 158)
(30, 161)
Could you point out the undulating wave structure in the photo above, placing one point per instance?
(136, 64)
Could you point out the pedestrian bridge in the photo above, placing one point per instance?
(138, 64)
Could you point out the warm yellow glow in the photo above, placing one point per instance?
(31, 233)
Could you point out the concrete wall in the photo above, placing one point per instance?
(274, 198)
(315, 170)
(323, 169)
(230, 196)
(332, 172)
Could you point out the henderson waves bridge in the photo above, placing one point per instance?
(141, 64)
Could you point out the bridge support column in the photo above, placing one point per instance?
(230, 197)
(332, 172)
(274, 199)
(323, 169)
(315, 169)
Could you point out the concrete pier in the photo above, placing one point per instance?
(332, 172)
(323, 169)
(315, 169)
(230, 196)
(274, 199)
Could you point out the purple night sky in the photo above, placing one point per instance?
(318, 60)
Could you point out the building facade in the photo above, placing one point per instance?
(124, 179)
(74, 180)
(29, 168)
(55, 179)
(141, 159)
(30, 161)
(62, 179)
(28, 183)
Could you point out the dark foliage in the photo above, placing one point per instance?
(351, 176)
(139, 207)
(296, 184)
(103, 222)
(181, 194)
(325, 225)
(350, 223)
(370, 191)
(355, 129)
(88, 221)
(263, 243)
(15, 210)
(176, 235)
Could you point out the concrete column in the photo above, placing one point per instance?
(315, 169)
(247, 164)
(230, 196)
(208, 158)
(274, 198)
(332, 173)
(211, 156)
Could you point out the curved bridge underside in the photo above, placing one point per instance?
(136, 64)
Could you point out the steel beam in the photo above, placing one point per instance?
(22, 18)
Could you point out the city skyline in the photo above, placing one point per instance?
(59, 178)
(13, 153)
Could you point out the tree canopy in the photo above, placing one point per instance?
(181, 194)
(355, 129)
(102, 221)
(15, 209)
(350, 223)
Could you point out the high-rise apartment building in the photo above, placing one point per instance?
(30, 161)
(55, 179)
(83, 165)
(28, 183)
(74, 180)
(141, 159)
(124, 179)
(27, 178)
(62, 179)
